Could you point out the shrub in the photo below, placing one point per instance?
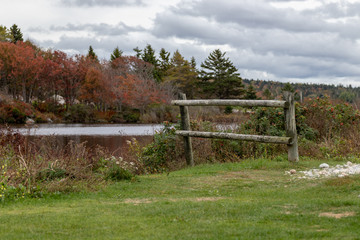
(131, 116)
(49, 106)
(51, 174)
(117, 173)
(79, 113)
(157, 156)
(228, 110)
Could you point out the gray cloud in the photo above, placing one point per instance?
(310, 45)
(101, 29)
(92, 3)
(284, 43)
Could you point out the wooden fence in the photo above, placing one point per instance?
(290, 125)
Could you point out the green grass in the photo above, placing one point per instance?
(249, 200)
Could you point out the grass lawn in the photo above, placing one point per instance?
(249, 200)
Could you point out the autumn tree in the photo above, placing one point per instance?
(25, 68)
(7, 51)
(49, 73)
(219, 77)
(64, 75)
(91, 88)
(133, 83)
(16, 34)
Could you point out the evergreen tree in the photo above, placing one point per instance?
(250, 92)
(193, 62)
(148, 55)
(91, 54)
(5, 35)
(288, 88)
(267, 94)
(164, 61)
(16, 34)
(138, 52)
(182, 75)
(219, 77)
(116, 54)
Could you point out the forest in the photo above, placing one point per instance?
(51, 85)
(45, 78)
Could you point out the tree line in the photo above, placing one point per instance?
(29, 72)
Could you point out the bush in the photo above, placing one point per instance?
(117, 173)
(52, 174)
(157, 156)
(49, 106)
(79, 113)
(131, 116)
(16, 112)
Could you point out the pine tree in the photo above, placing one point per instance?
(5, 35)
(16, 34)
(267, 94)
(193, 62)
(164, 60)
(250, 92)
(182, 75)
(148, 55)
(138, 52)
(116, 54)
(91, 54)
(219, 77)
(288, 88)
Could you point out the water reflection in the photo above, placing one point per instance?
(111, 136)
(90, 129)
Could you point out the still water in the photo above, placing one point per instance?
(111, 136)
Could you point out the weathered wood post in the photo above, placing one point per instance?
(290, 126)
(185, 125)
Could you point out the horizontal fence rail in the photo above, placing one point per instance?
(235, 102)
(235, 136)
(290, 126)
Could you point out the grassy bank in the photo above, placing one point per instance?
(253, 199)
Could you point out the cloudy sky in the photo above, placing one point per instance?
(312, 41)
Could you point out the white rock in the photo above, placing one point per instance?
(30, 121)
(292, 171)
(324, 165)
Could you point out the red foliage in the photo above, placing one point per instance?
(29, 72)
(133, 83)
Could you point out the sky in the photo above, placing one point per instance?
(304, 41)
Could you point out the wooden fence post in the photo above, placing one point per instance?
(185, 125)
(290, 126)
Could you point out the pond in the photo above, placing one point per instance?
(111, 136)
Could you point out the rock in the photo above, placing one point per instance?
(292, 171)
(29, 121)
(49, 120)
(324, 165)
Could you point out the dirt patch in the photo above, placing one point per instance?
(137, 201)
(204, 199)
(337, 215)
